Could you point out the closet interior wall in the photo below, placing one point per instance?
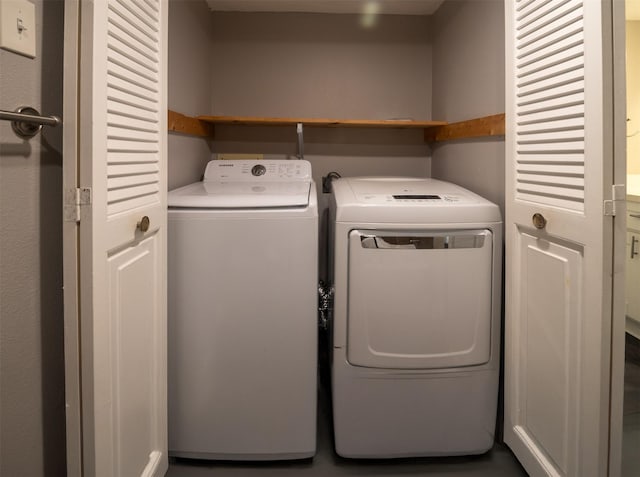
(469, 82)
(189, 88)
(303, 65)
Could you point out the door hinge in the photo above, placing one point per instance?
(618, 194)
(74, 199)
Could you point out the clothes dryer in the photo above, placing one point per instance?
(416, 266)
(242, 289)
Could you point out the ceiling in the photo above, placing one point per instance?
(392, 7)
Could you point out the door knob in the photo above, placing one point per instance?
(539, 221)
(143, 225)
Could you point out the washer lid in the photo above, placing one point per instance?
(229, 195)
(247, 184)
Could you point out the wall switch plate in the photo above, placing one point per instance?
(18, 27)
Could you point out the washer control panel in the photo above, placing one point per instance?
(240, 170)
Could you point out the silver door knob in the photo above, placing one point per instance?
(143, 225)
(539, 221)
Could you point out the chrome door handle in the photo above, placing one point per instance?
(634, 241)
(635, 216)
(27, 121)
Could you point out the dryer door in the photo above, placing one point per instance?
(419, 300)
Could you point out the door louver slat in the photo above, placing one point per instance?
(550, 138)
(147, 8)
(133, 135)
(554, 14)
(125, 97)
(122, 17)
(145, 22)
(137, 55)
(152, 5)
(129, 88)
(127, 67)
(527, 8)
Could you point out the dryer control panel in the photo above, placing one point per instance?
(405, 199)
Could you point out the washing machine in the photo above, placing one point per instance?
(416, 267)
(242, 312)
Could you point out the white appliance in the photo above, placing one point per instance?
(243, 312)
(416, 266)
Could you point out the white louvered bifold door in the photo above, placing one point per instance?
(558, 251)
(122, 148)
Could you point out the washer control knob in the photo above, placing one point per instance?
(258, 170)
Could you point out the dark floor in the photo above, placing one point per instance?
(631, 419)
(499, 462)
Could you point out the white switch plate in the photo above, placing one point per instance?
(18, 27)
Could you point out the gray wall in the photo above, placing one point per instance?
(468, 78)
(32, 438)
(321, 65)
(324, 66)
(304, 65)
(189, 88)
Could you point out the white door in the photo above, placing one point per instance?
(558, 276)
(115, 242)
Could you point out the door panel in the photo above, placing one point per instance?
(136, 353)
(548, 337)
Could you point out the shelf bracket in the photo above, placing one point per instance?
(299, 132)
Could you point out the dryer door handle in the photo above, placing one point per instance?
(474, 239)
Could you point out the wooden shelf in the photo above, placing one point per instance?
(434, 131)
(187, 125)
(480, 127)
(363, 123)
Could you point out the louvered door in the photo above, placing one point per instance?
(558, 255)
(121, 104)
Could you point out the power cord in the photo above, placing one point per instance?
(326, 181)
